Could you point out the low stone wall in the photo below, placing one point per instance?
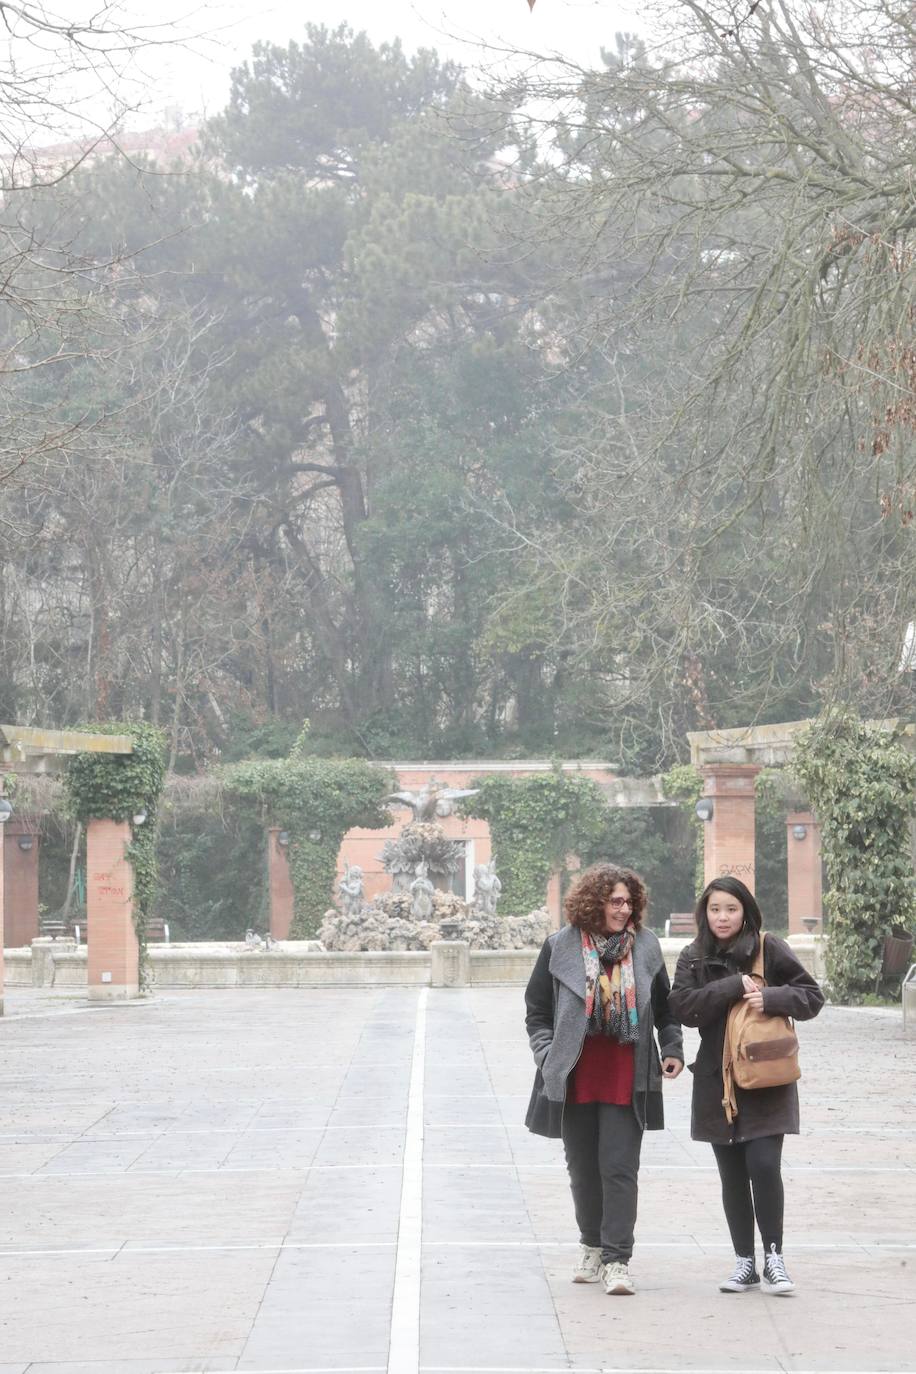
(301, 964)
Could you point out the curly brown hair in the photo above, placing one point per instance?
(587, 896)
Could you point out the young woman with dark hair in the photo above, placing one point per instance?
(712, 974)
(596, 998)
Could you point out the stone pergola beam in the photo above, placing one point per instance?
(768, 746)
(765, 746)
(30, 749)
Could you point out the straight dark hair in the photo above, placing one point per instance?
(739, 953)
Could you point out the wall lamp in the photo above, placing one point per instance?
(6, 810)
(704, 808)
(140, 818)
(283, 838)
(799, 832)
(26, 842)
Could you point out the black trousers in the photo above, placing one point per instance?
(752, 1183)
(602, 1144)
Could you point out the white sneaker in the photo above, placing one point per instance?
(775, 1278)
(588, 1265)
(744, 1277)
(617, 1279)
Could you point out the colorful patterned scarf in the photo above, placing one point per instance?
(610, 994)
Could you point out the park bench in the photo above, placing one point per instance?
(681, 923)
(157, 929)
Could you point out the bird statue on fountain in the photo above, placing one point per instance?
(432, 800)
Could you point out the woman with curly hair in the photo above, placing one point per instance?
(596, 999)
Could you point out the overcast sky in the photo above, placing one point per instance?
(197, 79)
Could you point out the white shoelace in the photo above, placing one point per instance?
(744, 1268)
(776, 1269)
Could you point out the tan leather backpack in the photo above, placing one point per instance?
(760, 1051)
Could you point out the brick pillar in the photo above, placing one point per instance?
(804, 871)
(21, 882)
(113, 950)
(554, 900)
(279, 887)
(557, 887)
(729, 835)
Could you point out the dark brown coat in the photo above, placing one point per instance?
(702, 993)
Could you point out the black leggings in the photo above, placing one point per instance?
(753, 1165)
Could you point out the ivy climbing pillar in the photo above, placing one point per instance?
(113, 948)
(729, 832)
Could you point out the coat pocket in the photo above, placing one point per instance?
(543, 1117)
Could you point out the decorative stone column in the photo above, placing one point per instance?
(279, 886)
(113, 949)
(804, 873)
(729, 833)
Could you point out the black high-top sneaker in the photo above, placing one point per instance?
(775, 1278)
(744, 1278)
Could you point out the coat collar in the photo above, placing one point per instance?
(566, 962)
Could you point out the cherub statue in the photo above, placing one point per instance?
(432, 800)
(350, 889)
(421, 890)
(487, 888)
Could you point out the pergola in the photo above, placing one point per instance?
(112, 947)
(730, 761)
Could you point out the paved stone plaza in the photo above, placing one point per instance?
(290, 1181)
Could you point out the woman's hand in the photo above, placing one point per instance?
(671, 1067)
(752, 994)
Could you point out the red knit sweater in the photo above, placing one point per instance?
(604, 1072)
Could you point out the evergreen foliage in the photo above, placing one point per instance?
(534, 823)
(316, 801)
(861, 781)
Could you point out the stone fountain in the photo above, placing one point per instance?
(420, 906)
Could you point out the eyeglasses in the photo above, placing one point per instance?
(618, 903)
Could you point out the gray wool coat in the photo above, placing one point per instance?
(555, 1001)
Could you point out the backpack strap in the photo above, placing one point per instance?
(757, 970)
(729, 1101)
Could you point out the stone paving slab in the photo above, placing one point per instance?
(214, 1182)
